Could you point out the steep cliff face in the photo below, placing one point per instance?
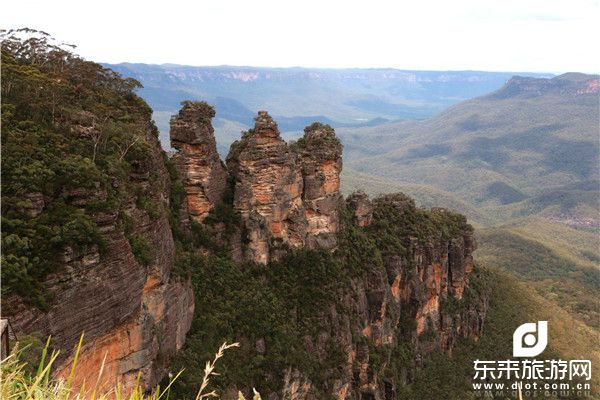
(197, 160)
(268, 190)
(405, 273)
(87, 246)
(130, 310)
(400, 310)
(566, 85)
(328, 298)
(321, 162)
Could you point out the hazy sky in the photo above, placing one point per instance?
(491, 35)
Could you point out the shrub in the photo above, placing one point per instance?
(72, 132)
(141, 249)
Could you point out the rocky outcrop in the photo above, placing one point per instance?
(361, 208)
(321, 161)
(268, 190)
(202, 172)
(286, 195)
(565, 85)
(135, 316)
(411, 301)
(102, 235)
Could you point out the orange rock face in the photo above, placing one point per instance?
(134, 346)
(108, 350)
(136, 314)
(268, 188)
(321, 160)
(203, 175)
(592, 86)
(286, 195)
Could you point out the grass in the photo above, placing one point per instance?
(18, 383)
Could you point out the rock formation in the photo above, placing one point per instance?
(136, 315)
(101, 235)
(268, 189)
(203, 175)
(566, 85)
(321, 160)
(287, 196)
(405, 301)
(361, 208)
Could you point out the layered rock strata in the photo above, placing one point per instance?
(287, 195)
(133, 315)
(268, 190)
(404, 302)
(204, 177)
(321, 161)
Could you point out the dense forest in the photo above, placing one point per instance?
(74, 129)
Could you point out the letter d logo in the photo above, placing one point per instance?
(525, 341)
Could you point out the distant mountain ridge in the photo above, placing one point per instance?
(298, 96)
(353, 298)
(569, 84)
(522, 162)
(517, 151)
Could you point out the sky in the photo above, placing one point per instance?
(487, 35)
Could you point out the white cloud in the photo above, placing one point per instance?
(496, 35)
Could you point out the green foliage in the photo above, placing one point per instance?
(396, 218)
(213, 234)
(146, 204)
(550, 256)
(141, 249)
(357, 250)
(280, 305)
(315, 144)
(33, 247)
(224, 213)
(276, 304)
(176, 198)
(208, 238)
(319, 126)
(72, 131)
(511, 303)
